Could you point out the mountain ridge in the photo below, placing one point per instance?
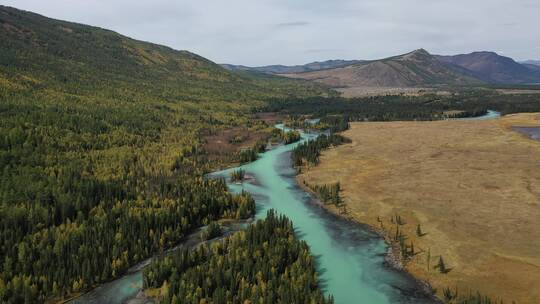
(492, 67)
(82, 59)
(531, 62)
(284, 69)
(416, 68)
(463, 69)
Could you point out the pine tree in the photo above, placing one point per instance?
(419, 232)
(441, 266)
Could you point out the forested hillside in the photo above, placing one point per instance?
(100, 151)
(264, 264)
(38, 53)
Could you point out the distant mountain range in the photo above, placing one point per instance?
(284, 69)
(531, 62)
(418, 68)
(493, 68)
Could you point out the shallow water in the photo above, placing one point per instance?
(531, 132)
(350, 257)
(117, 291)
(126, 288)
(489, 115)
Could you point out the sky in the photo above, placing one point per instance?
(262, 32)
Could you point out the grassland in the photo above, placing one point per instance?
(473, 186)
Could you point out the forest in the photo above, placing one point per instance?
(101, 152)
(308, 153)
(463, 103)
(285, 137)
(265, 263)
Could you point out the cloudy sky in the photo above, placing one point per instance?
(260, 32)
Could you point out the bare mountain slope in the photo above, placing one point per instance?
(418, 68)
(493, 68)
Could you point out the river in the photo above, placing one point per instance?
(350, 257)
(126, 288)
(489, 115)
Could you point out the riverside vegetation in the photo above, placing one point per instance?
(266, 263)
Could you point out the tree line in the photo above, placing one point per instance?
(310, 151)
(456, 104)
(266, 263)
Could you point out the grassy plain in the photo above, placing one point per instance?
(473, 186)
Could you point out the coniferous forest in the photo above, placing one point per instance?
(309, 152)
(266, 263)
(101, 152)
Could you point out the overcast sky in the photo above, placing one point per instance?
(260, 32)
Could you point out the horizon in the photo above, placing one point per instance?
(313, 33)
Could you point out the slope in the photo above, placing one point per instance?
(493, 68)
(531, 62)
(418, 68)
(40, 52)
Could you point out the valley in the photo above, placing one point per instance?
(133, 171)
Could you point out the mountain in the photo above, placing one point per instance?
(418, 68)
(41, 52)
(284, 69)
(493, 68)
(532, 67)
(531, 62)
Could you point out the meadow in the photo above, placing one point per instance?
(466, 192)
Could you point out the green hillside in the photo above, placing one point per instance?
(101, 151)
(38, 52)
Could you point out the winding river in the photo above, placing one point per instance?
(489, 115)
(350, 257)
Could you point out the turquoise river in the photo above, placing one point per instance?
(350, 257)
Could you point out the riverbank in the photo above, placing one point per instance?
(454, 180)
(392, 258)
(350, 257)
(128, 287)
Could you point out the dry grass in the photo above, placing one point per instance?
(474, 186)
(229, 141)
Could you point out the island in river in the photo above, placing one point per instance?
(350, 257)
(472, 186)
